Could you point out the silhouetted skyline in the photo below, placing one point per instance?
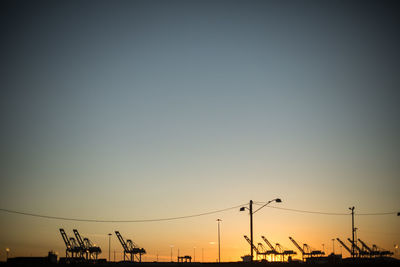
(155, 109)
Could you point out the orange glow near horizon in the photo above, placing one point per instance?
(201, 233)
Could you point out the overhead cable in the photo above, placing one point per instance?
(117, 221)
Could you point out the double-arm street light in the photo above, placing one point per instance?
(250, 208)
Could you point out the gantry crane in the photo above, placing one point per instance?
(278, 250)
(361, 252)
(273, 251)
(306, 250)
(80, 243)
(93, 250)
(284, 252)
(264, 251)
(365, 247)
(346, 247)
(381, 252)
(130, 248)
(252, 246)
(72, 249)
(303, 253)
(86, 247)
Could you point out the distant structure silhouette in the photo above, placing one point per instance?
(130, 248)
(79, 250)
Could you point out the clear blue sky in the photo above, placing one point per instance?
(143, 109)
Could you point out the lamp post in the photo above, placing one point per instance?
(171, 246)
(219, 241)
(7, 251)
(352, 231)
(333, 246)
(250, 208)
(109, 247)
(194, 254)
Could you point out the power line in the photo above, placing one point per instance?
(329, 213)
(117, 221)
(309, 211)
(188, 216)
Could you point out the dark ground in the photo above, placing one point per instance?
(363, 262)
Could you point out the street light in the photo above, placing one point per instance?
(352, 231)
(171, 246)
(7, 251)
(250, 208)
(219, 243)
(109, 247)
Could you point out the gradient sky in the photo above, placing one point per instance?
(126, 110)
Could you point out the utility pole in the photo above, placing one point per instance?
(352, 231)
(278, 200)
(109, 247)
(251, 229)
(219, 241)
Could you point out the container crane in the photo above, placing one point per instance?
(306, 250)
(273, 251)
(67, 243)
(252, 245)
(344, 245)
(278, 250)
(303, 253)
(284, 252)
(73, 251)
(87, 247)
(262, 250)
(93, 250)
(365, 247)
(135, 249)
(381, 252)
(80, 243)
(361, 252)
(76, 248)
(130, 248)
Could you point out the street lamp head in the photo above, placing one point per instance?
(278, 200)
(398, 214)
(7, 250)
(242, 209)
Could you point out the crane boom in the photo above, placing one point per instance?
(122, 241)
(130, 248)
(252, 245)
(269, 244)
(297, 245)
(355, 245)
(365, 246)
(65, 238)
(79, 239)
(344, 245)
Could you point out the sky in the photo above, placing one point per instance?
(129, 110)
